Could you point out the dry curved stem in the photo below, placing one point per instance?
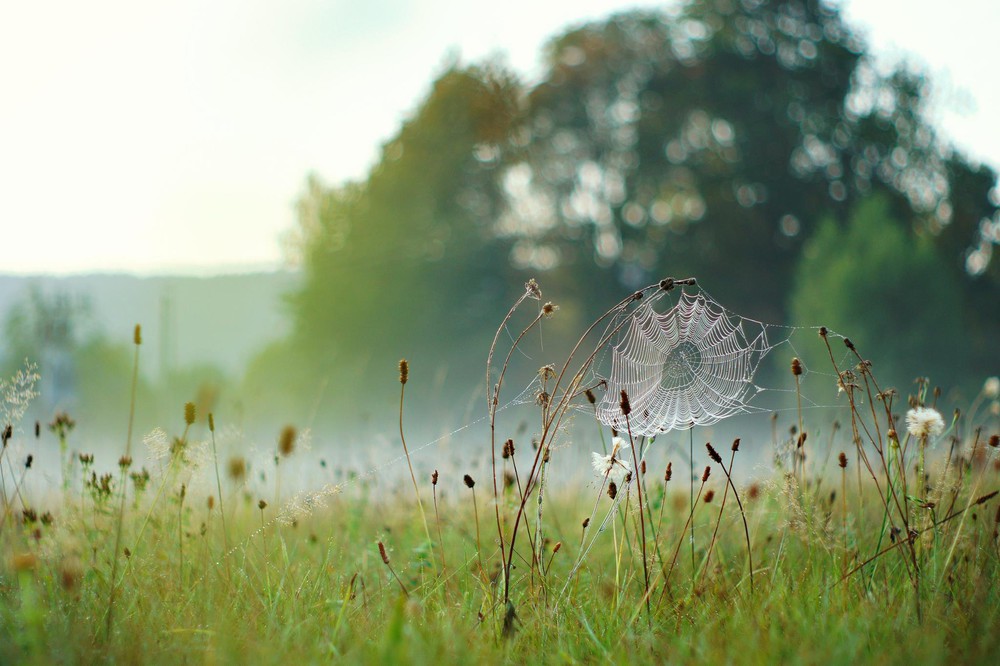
(554, 422)
(555, 417)
(746, 529)
(493, 397)
(912, 536)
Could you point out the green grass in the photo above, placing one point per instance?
(316, 589)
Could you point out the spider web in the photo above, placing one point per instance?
(692, 365)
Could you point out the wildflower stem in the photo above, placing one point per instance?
(413, 477)
(642, 516)
(222, 504)
(137, 338)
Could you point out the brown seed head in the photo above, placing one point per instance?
(211, 422)
(736, 444)
(24, 562)
(555, 549)
(849, 344)
(38, 429)
(612, 489)
(842, 459)
(70, 574)
(666, 284)
(189, 413)
(892, 434)
(586, 521)
(802, 439)
(125, 462)
(590, 396)
(669, 473)
(261, 504)
(709, 496)
(237, 468)
(381, 551)
(624, 403)
(531, 287)
(642, 466)
(286, 440)
(987, 497)
(713, 454)
(708, 472)
(137, 335)
(434, 478)
(211, 502)
(994, 440)
(469, 481)
(404, 370)
(796, 366)
(822, 331)
(549, 309)
(27, 463)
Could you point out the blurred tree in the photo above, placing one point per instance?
(708, 139)
(887, 290)
(45, 329)
(711, 138)
(409, 258)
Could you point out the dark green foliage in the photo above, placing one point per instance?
(888, 290)
(711, 141)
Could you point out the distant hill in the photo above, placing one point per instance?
(222, 320)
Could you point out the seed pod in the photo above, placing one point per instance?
(625, 405)
(381, 551)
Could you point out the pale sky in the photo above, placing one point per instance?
(175, 136)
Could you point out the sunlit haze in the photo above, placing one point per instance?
(175, 137)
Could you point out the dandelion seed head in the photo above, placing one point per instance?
(924, 422)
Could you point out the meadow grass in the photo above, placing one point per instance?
(316, 588)
(890, 556)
